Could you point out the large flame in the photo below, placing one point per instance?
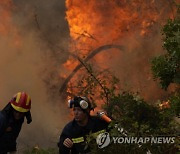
(108, 21)
(95, 23)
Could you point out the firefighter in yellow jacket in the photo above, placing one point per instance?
(11, 120)
(73, 137)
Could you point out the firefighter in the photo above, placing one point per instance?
(11, 120)
(73, 137)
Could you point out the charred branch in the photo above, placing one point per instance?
(91, 55)
(103, 88)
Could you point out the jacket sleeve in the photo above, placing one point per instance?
(65, 134)
(2, 123)
(63, 149)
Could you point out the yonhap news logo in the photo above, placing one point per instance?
(144, 140)
(103, 140)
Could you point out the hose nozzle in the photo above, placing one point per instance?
(104, 117)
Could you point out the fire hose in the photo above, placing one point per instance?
(104, 117)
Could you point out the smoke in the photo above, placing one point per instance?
(33, 43)
(133, 66)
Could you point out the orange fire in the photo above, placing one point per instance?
(164, 105)
(96, 23)
(7, 28)
(107, 21)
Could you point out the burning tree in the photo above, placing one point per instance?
(133, 25)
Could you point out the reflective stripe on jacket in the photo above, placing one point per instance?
(78, 135)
